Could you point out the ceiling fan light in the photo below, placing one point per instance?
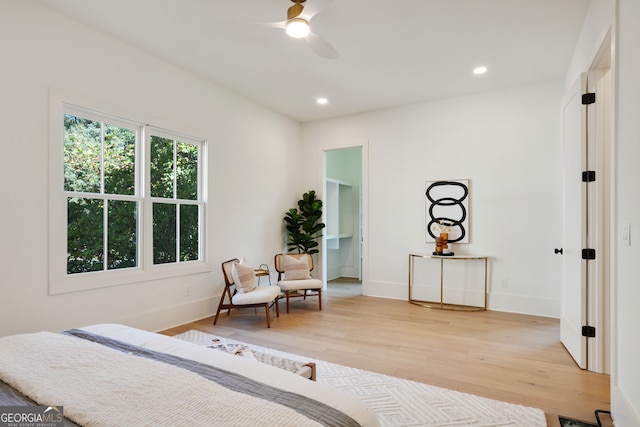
(297, 28)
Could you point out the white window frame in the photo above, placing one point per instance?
(150, 200)
(59, 281)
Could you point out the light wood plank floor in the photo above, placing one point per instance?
(509, 357)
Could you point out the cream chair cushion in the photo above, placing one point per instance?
(260, 294)
(293, 285)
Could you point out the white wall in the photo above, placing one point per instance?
(597, 22)
(625, 392)
(253, 158)
(626, 381)
(507, 143)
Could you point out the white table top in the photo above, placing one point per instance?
(455, 256)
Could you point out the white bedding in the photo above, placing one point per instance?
(272, 376)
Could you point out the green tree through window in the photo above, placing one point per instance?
(104, 183)
(174, 189)
(99, 161)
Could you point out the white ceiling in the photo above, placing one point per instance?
(392, 52)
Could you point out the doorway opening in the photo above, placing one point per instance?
(342, 248)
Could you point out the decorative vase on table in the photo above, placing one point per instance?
(442, 241)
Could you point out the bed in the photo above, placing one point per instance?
(115, 375)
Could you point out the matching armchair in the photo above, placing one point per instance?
(242, 290)
(294, 277)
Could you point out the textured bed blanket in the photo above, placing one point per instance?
(106, 387)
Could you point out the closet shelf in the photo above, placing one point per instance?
(338, 236)
(339, 213)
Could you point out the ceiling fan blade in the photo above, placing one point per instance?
(294, 11)
(277, 24)
(313, 7)
(321, 47)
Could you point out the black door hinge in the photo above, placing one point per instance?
(589, 331)
(588, 253)
(588, 98)
(588, 176)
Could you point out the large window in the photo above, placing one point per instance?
(103, 202)
(133, 201)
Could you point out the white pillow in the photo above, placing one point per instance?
(244, 276)
(296, 268)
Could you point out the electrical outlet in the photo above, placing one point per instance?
(187, 291)
(626, 234)
(504, 283)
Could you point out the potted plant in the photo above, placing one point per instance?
(303, 224)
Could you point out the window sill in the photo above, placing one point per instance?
(104, 279)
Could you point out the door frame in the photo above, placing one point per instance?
(600, 122)
(598, 214)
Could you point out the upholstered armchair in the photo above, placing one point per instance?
(294, 277)
(242, 290)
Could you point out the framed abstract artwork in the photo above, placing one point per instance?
(447, 205)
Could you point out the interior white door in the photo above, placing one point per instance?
(573, 312)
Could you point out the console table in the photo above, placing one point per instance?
(442, 259)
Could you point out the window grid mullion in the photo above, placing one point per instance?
(178, 232)
(105, 233)
(175, 169)
(200, 198)
(141, 192)
(105, 202)
(200, 183)
(102, 186)
(175, 197)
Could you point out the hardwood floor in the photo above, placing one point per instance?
(510, 357)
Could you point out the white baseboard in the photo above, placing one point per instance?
(622, 411)
(510, 303)
(169, 317)
(333, 273)
(336, 273)
(522, 304)
(385, 290)
(349, 272)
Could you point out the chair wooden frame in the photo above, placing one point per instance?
(227, 293)
(293, 293)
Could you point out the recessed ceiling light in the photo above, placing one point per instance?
(479, 70)
(322, 101)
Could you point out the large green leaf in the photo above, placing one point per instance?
(303, 224)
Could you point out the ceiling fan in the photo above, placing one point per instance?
(297, 26)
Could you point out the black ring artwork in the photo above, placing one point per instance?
(455, 210)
